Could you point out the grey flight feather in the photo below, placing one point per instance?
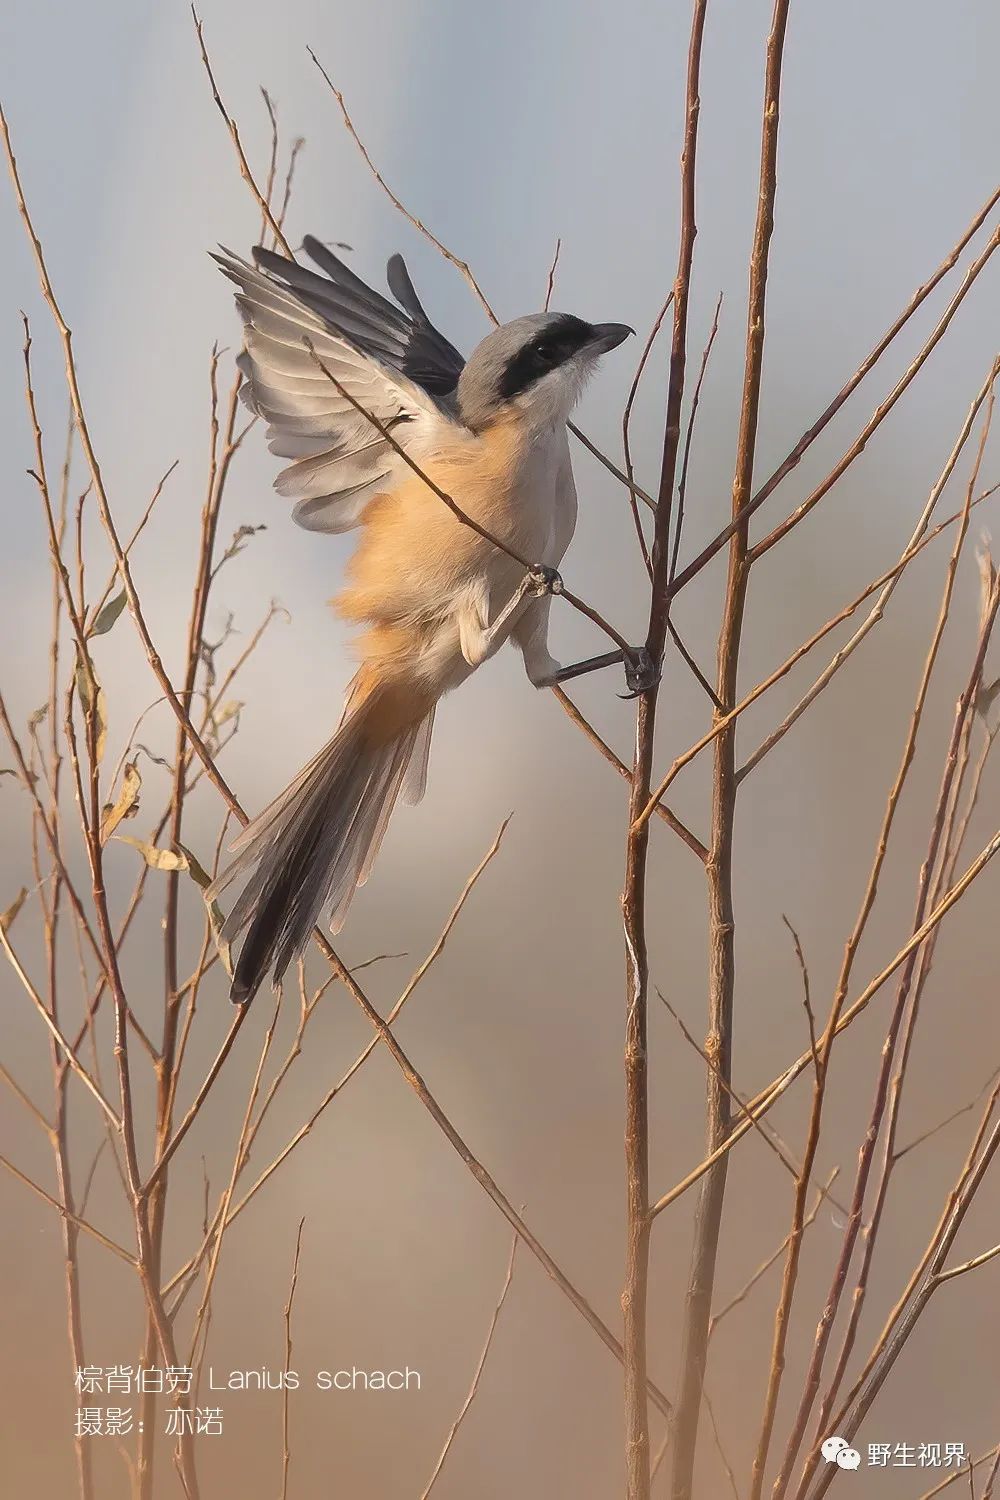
(389, 358)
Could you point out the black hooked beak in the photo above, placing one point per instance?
(608, 336)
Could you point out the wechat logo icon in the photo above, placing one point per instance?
(836, 1450)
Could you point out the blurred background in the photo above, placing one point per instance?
(505, 129)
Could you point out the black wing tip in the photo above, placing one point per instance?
(401, 286)
(229, 263)
(247, 980)
(270, 260)
(323, 256)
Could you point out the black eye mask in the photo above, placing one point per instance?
(564, 337)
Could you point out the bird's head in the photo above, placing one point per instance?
(536, 366)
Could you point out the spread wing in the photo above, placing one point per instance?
(391, 359)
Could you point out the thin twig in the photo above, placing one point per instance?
(64, 1045)
(245, 171)
(286, 1449)
(627, 425)
(672, 821)
(821, 1197)
(806, 998)
(773, 1143)
(717, 1438)
(474, 1387)
(696, 398)
(64, 1212)
(551, 282)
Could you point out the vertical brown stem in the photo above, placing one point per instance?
(51, 909)
(636, 1129)
(165, 1080)
(634, 894)
(721, 979)
(60, 1071)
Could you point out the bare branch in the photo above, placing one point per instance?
(76, 1219)
(245, 172)
(474, 1387)
(286, 1451)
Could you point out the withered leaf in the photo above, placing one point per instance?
(94, 702)
(157, 859)
(126, 804)
(6, 917)
(203, 880)
(108, 615)
(228, 711)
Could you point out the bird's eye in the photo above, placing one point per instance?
(544, 353)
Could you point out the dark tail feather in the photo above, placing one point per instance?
(312, 847)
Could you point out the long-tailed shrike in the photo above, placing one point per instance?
(435, 597)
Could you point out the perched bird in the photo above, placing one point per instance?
(323, 354)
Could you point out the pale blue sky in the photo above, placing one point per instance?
(504, 127)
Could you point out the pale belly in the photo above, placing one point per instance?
(536, 520)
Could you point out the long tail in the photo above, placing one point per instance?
(316, 843)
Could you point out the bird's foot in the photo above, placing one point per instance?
(641, 672)
(540, 580)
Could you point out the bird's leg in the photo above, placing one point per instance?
(592, 664)
(480, 637)
(641, 672)
(531, 633)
